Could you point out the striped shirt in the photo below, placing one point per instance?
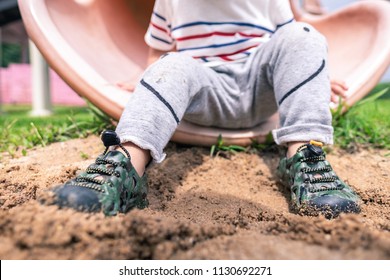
(215, 31)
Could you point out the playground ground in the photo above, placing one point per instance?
(201, 207)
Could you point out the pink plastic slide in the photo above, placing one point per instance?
(93, 44)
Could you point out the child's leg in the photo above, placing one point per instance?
(294, 63)
(298, 71)
(160, 100)
(115, 182)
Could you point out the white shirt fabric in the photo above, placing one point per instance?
(215, 31)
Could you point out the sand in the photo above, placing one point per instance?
(201, 207)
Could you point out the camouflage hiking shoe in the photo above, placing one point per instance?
(111, 184)
(315, 187)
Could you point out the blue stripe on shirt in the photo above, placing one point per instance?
(221, 23)
(282, 24)
(160, 39)
(214, 46)
(160, 16)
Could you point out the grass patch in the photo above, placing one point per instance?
(19, 131)
(381, 87)
(366, 123)
(220, 147)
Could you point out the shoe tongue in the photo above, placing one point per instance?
(310, 150)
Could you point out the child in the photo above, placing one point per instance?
(236, 63)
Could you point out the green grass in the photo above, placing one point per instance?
(220, 147)
(367, 123)
(381, 87)
(19, 131)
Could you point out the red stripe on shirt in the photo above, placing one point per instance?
(219, 34)
(159, 27)
(225, 58)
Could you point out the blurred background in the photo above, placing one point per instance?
(16, 80)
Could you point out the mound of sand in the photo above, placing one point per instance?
(200, 208)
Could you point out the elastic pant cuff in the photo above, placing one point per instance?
(303, 133)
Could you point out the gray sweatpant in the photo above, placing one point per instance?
(288, 74)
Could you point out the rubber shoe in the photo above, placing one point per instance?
(315, 187)
(110, 185)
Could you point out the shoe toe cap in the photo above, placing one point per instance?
(76, 197)
(332, 206)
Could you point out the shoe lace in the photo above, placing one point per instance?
(323, 179)
(316, 169)
(102, 166)
(313, 159)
